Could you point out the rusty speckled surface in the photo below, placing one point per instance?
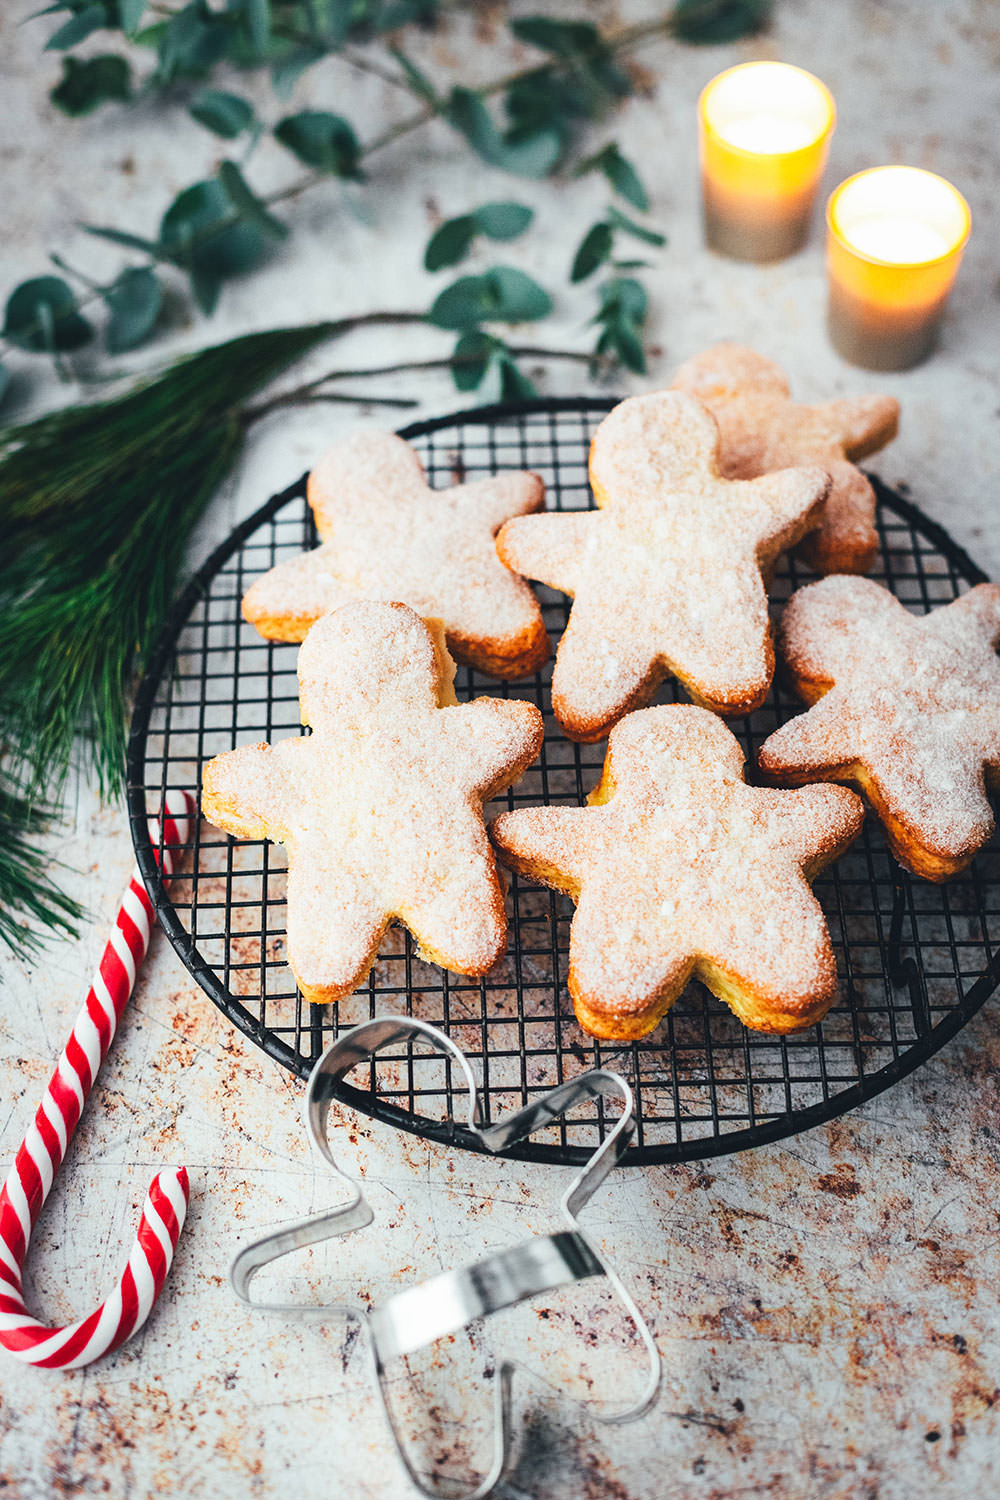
(829, 1309)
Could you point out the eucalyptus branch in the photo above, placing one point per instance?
(621, 41)
(627, 37)
(220, 226)
(375, 70)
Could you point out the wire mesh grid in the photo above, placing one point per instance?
(915, 960)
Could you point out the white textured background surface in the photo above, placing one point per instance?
(828, 1309)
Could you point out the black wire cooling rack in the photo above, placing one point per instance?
(915, 960)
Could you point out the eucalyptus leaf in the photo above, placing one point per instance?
(622, 340)
(391, 14)
(555, 98)
(152, 36)
(468, 113)
(585, 79)
(540, 101)
(503, 294)
(338, 20)
(620, 173)
(514, 385)
(287, 70)
(200, 232)
(418, 81)
(624, 178)
(594, 249)
(534, 155)
(638, 231)
(85, 85)
(450, 243)
(623, 305)
(624, 298)
(205, 288)
(246, 203)
(135, 300)
(471, 359)
(563, 38)
(130, 14)
(503, 221)
(193, 41)
(324, 141)
(258, 14)
(224, 114)
(517, 297)
(42, 317)
(703, 22)
(530, 155)
(460, 305)
(79, 26)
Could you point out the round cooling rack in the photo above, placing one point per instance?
(915, 959)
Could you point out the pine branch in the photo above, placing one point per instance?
(96, 504)
(29, 899)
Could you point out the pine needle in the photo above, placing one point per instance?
(29, 900)
(97, 503)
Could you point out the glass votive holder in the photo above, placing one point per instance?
(895, 237)
(764, 131)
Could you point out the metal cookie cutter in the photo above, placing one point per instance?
(446, 1303)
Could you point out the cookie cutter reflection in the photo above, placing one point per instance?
(447, 1303)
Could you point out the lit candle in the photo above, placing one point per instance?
(764, 131)
(895, 240)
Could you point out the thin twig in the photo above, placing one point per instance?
(309, 389)
(338, 328)
(366, 65)
(404, 403)
(352, 58)
(519, 351)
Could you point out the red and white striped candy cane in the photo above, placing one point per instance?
(42, 1151)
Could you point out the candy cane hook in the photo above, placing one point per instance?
(40, 1157)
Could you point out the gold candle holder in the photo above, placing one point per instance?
(894, 243)
(764, 131)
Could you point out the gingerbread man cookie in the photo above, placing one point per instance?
(380, 808)
(386, 535)
(762, 429)
(680, 869)
(907, 709)
(666, 576)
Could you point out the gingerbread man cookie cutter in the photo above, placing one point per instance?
(448, 1302)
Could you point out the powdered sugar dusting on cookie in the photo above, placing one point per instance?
(381, 807)
(686, 869)
(911, 711)
(386, 535)
(666, 575)
(762, 429)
